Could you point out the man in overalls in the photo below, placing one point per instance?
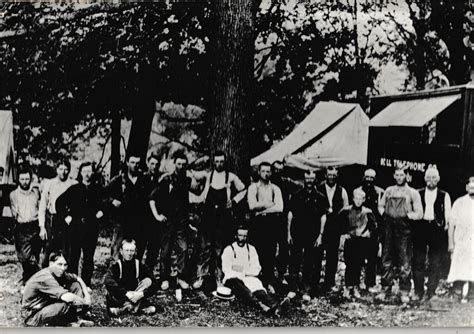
(217, 228)
(400, 206)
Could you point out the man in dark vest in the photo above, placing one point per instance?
(336, 197)
(431, 233)
(373, 194)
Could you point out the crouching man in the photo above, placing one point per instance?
(241, 267)
(54, 297)
(129, 283)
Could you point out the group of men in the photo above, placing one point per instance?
(290, 230)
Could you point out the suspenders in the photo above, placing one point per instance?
(235, 254)
(137, 268)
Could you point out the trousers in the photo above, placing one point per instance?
(264, 235)
(331, 240)
(82, 238)
(397, 252)
(356, 251)
(57, 239)
(28, 246)
(428, 239)
(55, 314)
(304, 252)
(174, 237)
(114, 300)
(243, 293)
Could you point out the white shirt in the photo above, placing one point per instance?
(430, 198)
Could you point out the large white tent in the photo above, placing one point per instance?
(333, 134)
(6, 145)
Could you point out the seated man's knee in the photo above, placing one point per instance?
(49, 314)
(144, 283)
(76, 289)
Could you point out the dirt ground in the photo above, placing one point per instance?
(197, 311)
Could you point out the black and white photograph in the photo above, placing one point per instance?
(237, 164)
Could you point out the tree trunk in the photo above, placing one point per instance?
(144, 112)
(115, 158)
(233, 82)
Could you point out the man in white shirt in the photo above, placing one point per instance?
(24, 203)
(431, 233)
(52, 227)
(336, 198)
(266, 204)
(241, 267)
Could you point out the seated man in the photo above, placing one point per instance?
(358, 223)
(129, 283)
(241, 267)
(53, 297)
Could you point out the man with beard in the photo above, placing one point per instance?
(81, 207)
(24, 204)
(241, 267)
(431, 233)
(400, 206)
(266, 205)
(170, 205)
(306, 220)
(373, 194)
(128, 194)
(336, 198)
(129, 283)
(217, 227)
(52, 227)
(287, 187)
(54, 297)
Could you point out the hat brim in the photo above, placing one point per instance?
(231, 297)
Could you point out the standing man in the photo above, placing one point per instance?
(287, 187)
(52, 296)
(81, 206)
(52, 227)
(336, 198)
(170, 205)
(358, 222)
(400, 206)
(431, 233)
(24, 204)
(373, 195)
(266, 205)
(217, 227)
(306, 221)
(128, 195)
(153, 228)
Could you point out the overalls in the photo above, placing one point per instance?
(397, 244)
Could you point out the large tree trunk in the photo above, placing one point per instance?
(233, 82)
(115, 159)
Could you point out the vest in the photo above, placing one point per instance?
(337, 202)
(438, 206)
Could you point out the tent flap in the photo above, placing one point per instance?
(412, 113)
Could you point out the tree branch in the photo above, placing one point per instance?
(190, 147)
(169, 118)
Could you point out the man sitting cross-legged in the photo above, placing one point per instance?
(129, 283)
(241, 267)
(54, 297)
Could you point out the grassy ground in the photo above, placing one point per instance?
(197, 311)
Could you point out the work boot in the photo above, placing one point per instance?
(356, 293)
(404, 298)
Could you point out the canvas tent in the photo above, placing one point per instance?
(6, 145)
(333, 134)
